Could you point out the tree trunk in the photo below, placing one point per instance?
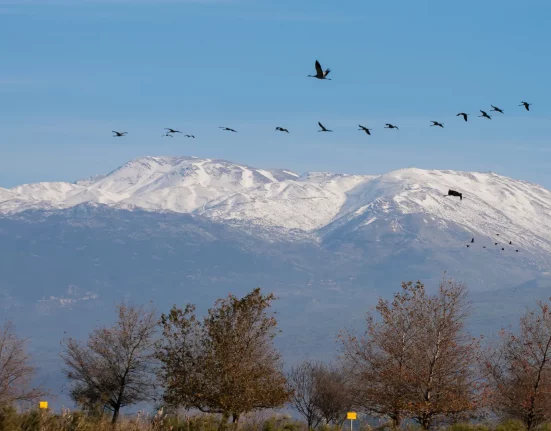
(116, 410)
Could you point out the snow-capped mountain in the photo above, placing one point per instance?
(225, 191)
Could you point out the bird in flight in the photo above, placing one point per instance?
(365, 129)
(496, 109)
(390, 126)
(495, 243)
(485, 115)
(118, 134)
(228, 129)
(463, 115)
(472, 240)
(172, 130)
(167, 134)
(323, 129)
(436, 123)
(320, 74)
(526, 105)
(189, 136)
(281, 129)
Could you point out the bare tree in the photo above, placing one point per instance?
(115, 368)
(16, 370)
(225, 363)
(332, 395)
(302, 384)
(520, 369)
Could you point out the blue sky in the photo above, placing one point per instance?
(73, 70)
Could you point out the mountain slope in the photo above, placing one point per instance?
(225, 191)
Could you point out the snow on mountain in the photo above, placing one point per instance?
(226, 191)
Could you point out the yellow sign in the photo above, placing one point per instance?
(351, 416)
(43, 404)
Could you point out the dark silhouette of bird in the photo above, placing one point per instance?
(510, 242)
(497, 234)
(323, 129)
(502, 249)
(483, 246)
(496, 109)
(495, 243)
(167, 134)
(454, 193)
(463, 115)
(172, 130)
(468, 245)
(390, 126)
(281, 129)
(436, 123)
(320, 74)
(189, 136)
(472, 240)
(526, 105)
(485, 115)
(228, 129)
(516, 251)
(118, 134)
(365, 129)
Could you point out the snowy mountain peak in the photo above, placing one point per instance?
(227, 191)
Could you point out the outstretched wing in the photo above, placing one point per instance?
(321, 125)
(326, 72)
(319, 70)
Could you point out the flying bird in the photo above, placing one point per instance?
(497, 234)
(455, 193)
(502, 249)
(526, 105)
(390, 126)
(172, 130)
(189, 136)
(516, 251)
(483, 246)
(510, 242)
(495, 243)
(365, 129)
(463, 115)
(228, 129)
(118, 134)
(468, 245)
(323, 129)
(281, 129)
(436, 123)
(472, 240)
(496, 109)
(167, 134)
(320, 74)
(484, 114)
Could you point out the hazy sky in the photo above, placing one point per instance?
(73, 70)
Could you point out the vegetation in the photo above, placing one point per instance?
(114, 368)
(414, 367)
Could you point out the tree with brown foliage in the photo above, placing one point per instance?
(379, 359)
(16, 370)
(302, 383)
(115, 368)
(519, 369)
(416, 361)
(443, 370)
(225, 363)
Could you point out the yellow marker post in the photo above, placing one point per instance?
(43, 405)
(352, 417)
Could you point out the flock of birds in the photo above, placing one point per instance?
(322, 74)
(495, 244)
